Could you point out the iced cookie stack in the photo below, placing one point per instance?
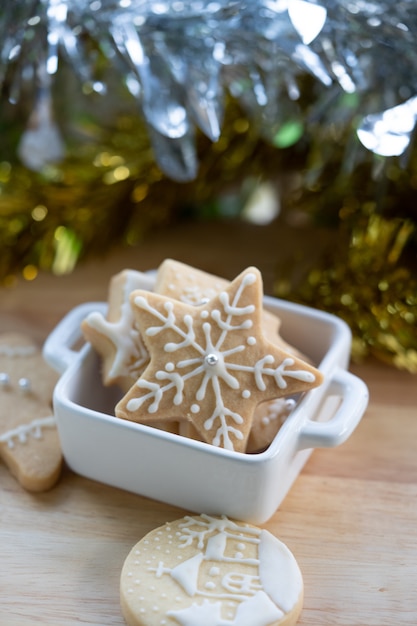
(199, 356)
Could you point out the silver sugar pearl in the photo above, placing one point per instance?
(4, 380)
(211, 359)
(24, 385)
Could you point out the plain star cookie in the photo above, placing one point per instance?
(210, 571)
(211, 364)
(29, 442)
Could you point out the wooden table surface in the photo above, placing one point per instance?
(350, 518)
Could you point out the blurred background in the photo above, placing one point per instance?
(119, 118)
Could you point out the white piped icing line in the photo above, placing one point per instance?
(22, 433)
(17, 351)
(130, 352)
(218, 369)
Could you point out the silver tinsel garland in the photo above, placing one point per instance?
(180, 59)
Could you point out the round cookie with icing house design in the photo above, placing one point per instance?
(206, 570)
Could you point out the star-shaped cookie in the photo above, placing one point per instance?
(115, 336)
(194, 286)
(211, 364)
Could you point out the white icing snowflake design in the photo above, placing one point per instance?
(130, 354)
(216, 366)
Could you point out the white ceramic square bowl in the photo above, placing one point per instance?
(197, 476)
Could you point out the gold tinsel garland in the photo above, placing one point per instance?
(111, 192)
(363, 281)
(367, 275)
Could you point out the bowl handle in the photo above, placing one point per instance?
(58, 349)
(353, 399)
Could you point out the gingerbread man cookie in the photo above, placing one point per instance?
(211, 364)
(210, 571)
(29, 442)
